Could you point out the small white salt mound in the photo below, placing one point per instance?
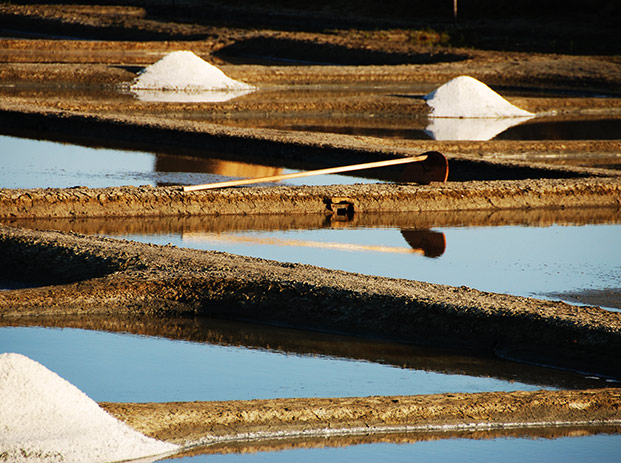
(44, 418)
(183, 70)
(465, 96)
(470, 128)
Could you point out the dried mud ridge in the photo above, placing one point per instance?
(242, 422)
(336, 201)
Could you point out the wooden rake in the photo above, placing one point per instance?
(428, 167)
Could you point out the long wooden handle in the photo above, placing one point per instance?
(310, 173)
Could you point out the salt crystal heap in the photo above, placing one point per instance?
(44, 418)
(183, 70)
(465, 96)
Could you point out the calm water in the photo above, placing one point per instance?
(596, 448)
(39, 164)
(542, 261)
(129, 368)
(532, 261)
(473, 129)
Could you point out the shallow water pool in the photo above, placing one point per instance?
(30, 163)
(128, 368)
(446, 129)
(573, 262)
(599, 447)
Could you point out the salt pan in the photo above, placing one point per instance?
(465, 96)
(183, 70)
(44, 418)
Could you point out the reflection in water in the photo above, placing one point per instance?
(179, 96)
(124, 368)
(470, 128)
(166, 163)
(513, 128)
(296, 342)
(424, 242)
(431, 243)
(557, 128)
(571, 250)
(560, 259)
(40, 164)
(558, 444)
(402, 220)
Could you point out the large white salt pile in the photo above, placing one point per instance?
(183, 70)
(44, 418)
(465, 96)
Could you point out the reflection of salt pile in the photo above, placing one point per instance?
(473, 111)
(465, 96)
(43, 418)
(206, 96)
(183, 70)
(470, 129)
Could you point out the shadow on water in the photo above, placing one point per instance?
(291, 341)
(390, 118)
(551, 129)
(519, 129)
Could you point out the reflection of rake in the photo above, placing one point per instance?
(302, 243)
(431, 166)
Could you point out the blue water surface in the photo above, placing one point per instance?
(132, 368)
(600, 448)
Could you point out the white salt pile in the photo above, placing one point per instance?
(44, 418)
(183, 70)
(465, 96)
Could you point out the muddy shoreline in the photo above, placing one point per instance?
(205, 423)
(337, 200)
